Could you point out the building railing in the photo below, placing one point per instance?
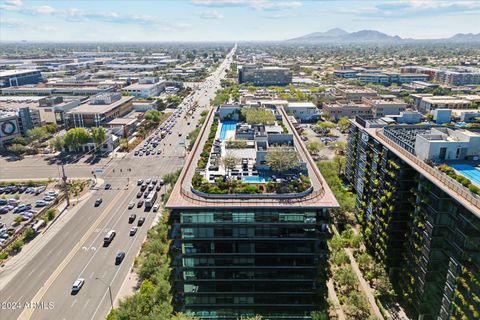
(238, 199)
(443, 178)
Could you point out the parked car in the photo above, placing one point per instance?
(41, 203)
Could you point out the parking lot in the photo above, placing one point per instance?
(19, 204)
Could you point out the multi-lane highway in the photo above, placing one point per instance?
(40, 289)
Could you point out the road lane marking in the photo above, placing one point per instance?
(73, 303)
(91, 275)
(27, 313)
(86, 303)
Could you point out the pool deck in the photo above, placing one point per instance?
(470, 170)
(183, 198)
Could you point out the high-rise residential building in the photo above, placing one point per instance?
(423, 225)
(250, 248)
(264, 76)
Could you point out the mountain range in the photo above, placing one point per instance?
(338, 35)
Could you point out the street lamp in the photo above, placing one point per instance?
(109, 290)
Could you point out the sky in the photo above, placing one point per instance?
(229, 20)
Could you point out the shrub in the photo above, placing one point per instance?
(29, 234)
(3, 255)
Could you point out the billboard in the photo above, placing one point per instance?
(9, 127)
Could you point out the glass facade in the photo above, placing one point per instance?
(428, 241)
(229, 263)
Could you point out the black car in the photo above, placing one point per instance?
(140, 204)
(132, 218)
(140, 221)
(158, 187)
(145, 195)
(143, 187)
(119, 257)
(154, 181)
(139, 194)
(108, 186)
(98, 202)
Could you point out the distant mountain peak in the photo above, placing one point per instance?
(337, 35)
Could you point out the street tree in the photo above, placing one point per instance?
(313, 147)
(99, 135)
(57, 143)
(37, 134)
(324, 127)
(282, 159)
(76, 137)
(153, 116)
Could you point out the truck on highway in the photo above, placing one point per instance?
(151, 198)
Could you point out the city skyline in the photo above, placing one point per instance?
(229, 20)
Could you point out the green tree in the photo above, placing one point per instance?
(29, 234)
(51, 128)
(282, 159)
(161, 104)
(99, 134)
(17, 149)
(153, 116)
(230, 161)
(57, 143)
(124, 144)
(75, 137)
(37, 134)
(313, 146)
(356, 306)
(343, 124)
(324, 127)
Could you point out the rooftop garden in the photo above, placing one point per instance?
(459, 178)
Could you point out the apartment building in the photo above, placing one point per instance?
(264, 76)
(340, 109)
(382, 107)
(303, 111)
(238, 254)
(453, 76)
(421, 224)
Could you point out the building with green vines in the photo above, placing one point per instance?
(421, 224)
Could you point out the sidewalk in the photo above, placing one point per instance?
(332, 294)
(364, 285)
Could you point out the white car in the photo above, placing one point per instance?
(131, 205)
(77, 285)
(155, 207)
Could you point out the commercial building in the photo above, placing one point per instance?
(346, 73)
(340, 109)
(26, 111)
(15, 78)
(303, 111)
(9, 127)
(388, 78)
(422, 225)
(99, 110)
(384, 106)
(86, 90)
(146, 87)
(354, 94)
(264, 76)
(237, 254)
(428, 102)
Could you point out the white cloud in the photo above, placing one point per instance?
(15, 3)
(212, 14)
(40, 10)
(254, 4)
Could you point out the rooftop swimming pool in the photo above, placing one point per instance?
(468, 171)
(254, 179)
(227, 126)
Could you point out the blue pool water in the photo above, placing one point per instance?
(253, 179)
(468, 171)
(225, 127)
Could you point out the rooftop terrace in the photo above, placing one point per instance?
(314, 194)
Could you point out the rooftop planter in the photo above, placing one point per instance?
(234, 188)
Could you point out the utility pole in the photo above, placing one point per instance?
(65, 188)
